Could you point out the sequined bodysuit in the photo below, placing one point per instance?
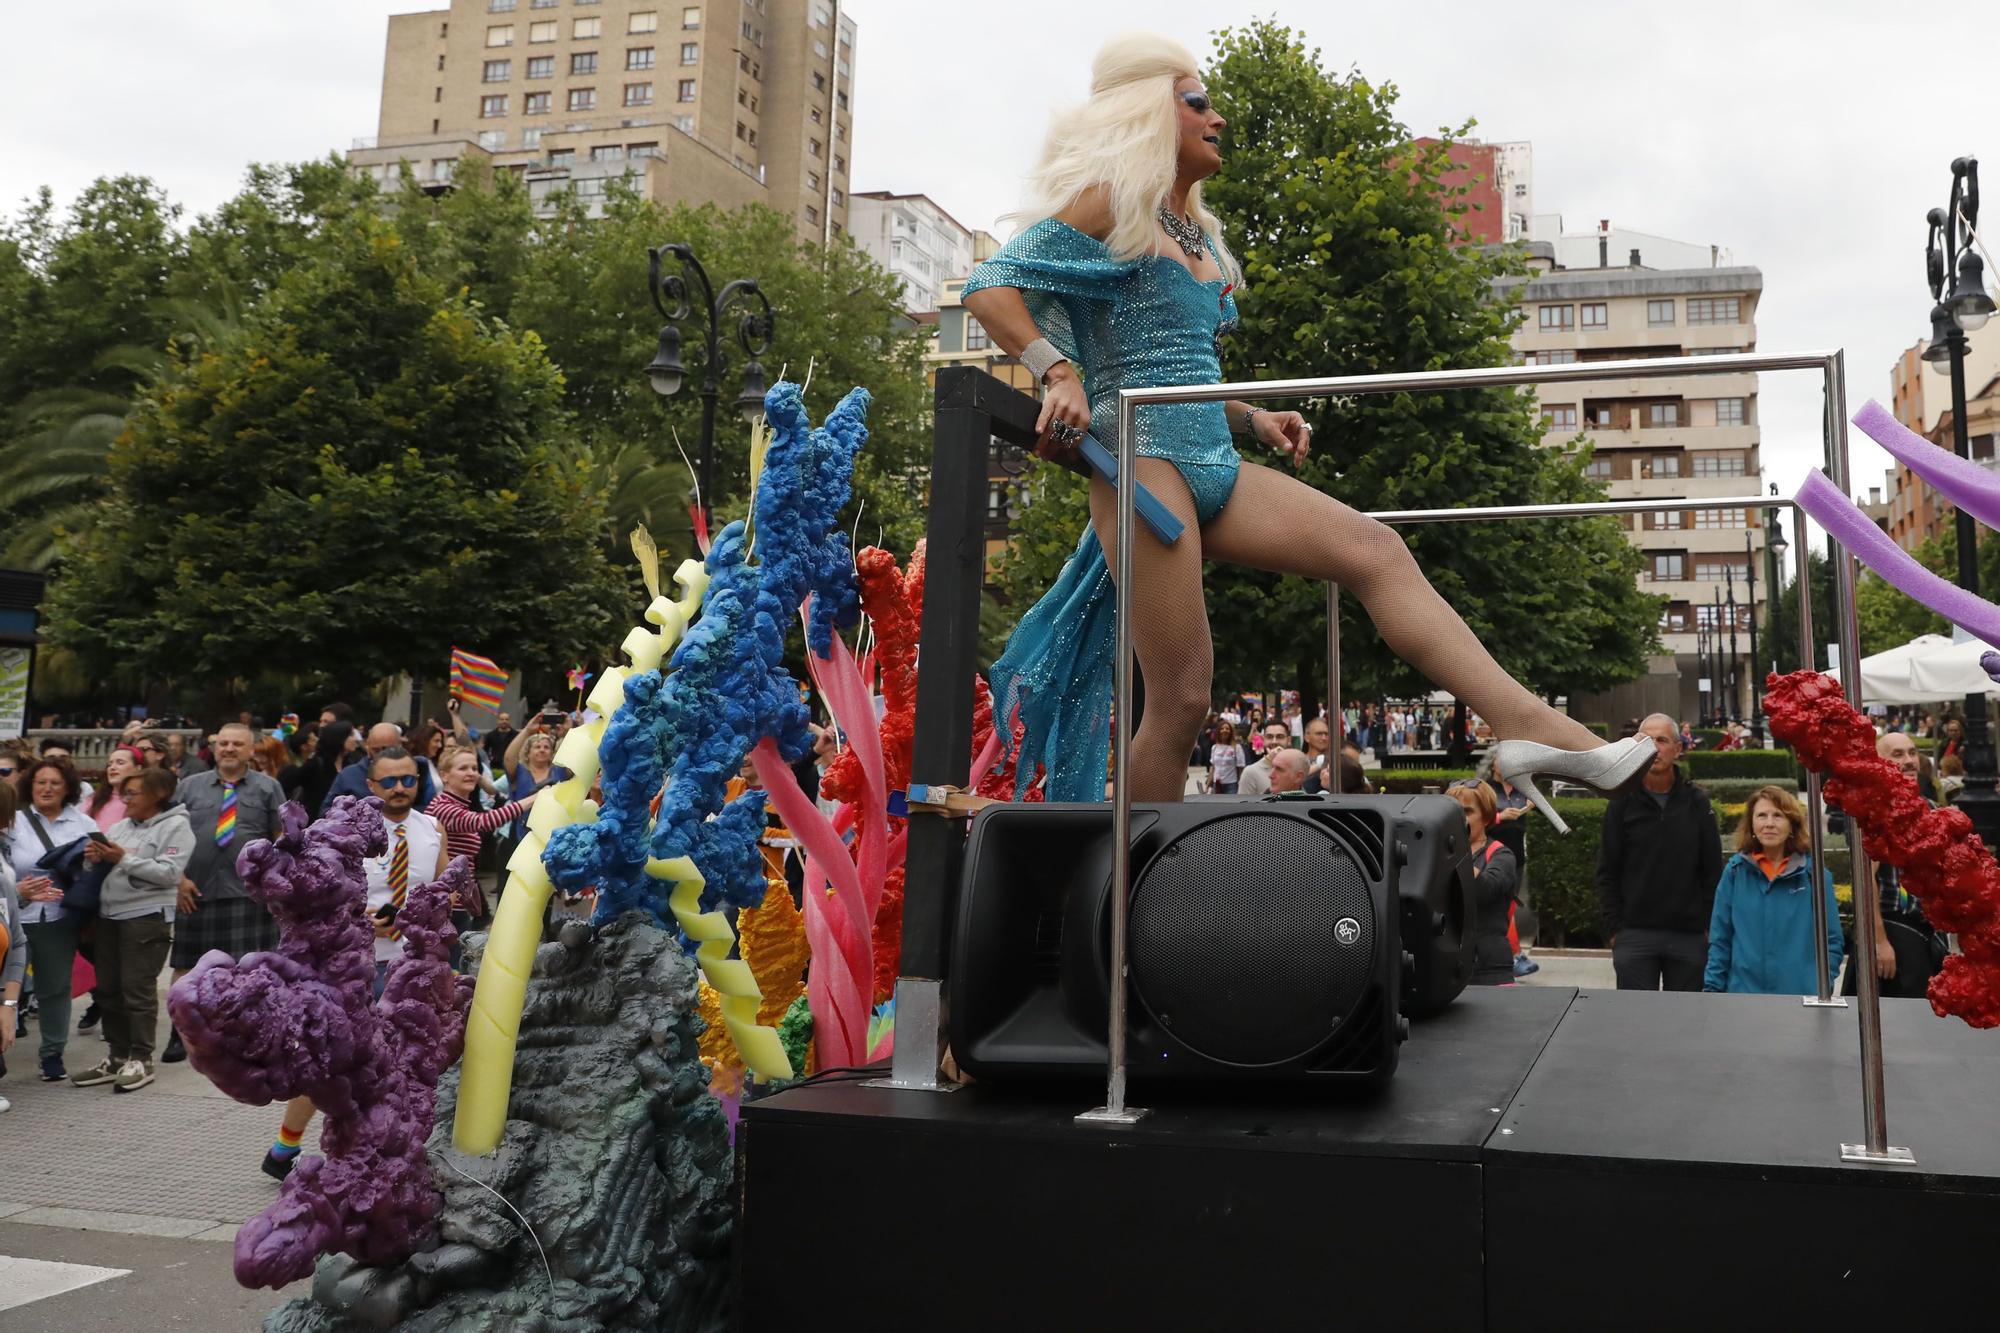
(1124, 324)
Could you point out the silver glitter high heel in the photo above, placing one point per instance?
(1611, 769)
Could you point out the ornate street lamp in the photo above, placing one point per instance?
(674, 296)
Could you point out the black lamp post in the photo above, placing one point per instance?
(1775, 547)
(673, 296)
(1948, 251)
(1735, 662)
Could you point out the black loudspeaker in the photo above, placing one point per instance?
(1286, 938)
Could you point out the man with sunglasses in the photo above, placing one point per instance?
(416, 853)
(353, 780)
(229, 808)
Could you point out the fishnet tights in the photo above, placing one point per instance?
(1276, 522)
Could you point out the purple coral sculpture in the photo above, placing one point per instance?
(302, 1021)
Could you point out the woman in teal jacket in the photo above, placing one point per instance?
(1760, 936)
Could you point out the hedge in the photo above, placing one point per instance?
(1562, 873)
(1735, 791)
(1703, 764)
(1603, 729)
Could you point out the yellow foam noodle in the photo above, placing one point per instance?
(644, 648)
(763, 1053)
(609, 692)
(525, 865)
(547, 815)
(578, 753)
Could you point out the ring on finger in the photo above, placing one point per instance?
(1065, 434)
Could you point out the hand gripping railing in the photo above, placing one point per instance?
(1832, 368)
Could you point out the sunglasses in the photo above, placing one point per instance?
(398, 780)
(1196, 102)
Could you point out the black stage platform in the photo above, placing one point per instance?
(1544, 1159)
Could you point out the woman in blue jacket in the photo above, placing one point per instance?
(1760, 936)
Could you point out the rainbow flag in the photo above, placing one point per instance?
(477, 680)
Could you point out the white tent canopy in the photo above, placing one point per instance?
(1928, 669)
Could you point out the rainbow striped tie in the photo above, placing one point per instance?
(225, 819)
(399, 876)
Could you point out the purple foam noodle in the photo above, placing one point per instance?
(1960, 480)
(303, 1021)
(1869, 544)
(1989, 662)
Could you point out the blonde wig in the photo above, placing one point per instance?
(1127, 139)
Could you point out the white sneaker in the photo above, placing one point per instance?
(132, 1076)
(5, 1106)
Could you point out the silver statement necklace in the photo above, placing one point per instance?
(1186, 232)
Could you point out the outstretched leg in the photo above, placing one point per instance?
(1277, 522)
(1169, 631)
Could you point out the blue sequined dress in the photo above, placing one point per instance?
(1123, 324)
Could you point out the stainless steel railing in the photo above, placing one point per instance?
(1832, 368)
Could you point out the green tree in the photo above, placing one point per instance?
(1346, 236)
(1784, 620)
(370, 470)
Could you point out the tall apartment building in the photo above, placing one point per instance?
(725, 101)
(1499, 183)
(913, 238)
(1686, 437)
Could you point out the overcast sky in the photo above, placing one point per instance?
(1806, 138)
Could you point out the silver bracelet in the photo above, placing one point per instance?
(1249, 422)
(1040, 357)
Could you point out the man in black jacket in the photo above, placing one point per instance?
(1657, 867)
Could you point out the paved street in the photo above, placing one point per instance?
(149, 1186)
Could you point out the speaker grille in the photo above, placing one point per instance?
(1238, 948)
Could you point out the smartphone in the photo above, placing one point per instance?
(386, 914)
(552, 718)
(98, 837)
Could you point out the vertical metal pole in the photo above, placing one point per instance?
(1867, 906)
(1114, 1111)
(1333, 736)
(1815, 802)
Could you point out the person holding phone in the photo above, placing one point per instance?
(551, 722)
(53, 818)
(148, 852)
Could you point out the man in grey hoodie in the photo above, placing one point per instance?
(148, 851)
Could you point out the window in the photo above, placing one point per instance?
(1558, 317)
(499, 6)
(1669, 568)
(437, 94)
(812, 146)
(814, 113)
(1662, 414)
(685, 124)
(1660, 314)
(812, 183)
(492, 106)
(839, 199)
(1715, 310)
(1663, 465)
(1674, 619)
(537, 104)
(742, 130)
(531, 138)
(812, 214)
(839, 166)
(684, 91)
(442, 167)
(691, 17)
(541, 4)
(819, 49)
(743, 62)
(541, 67)
(608, 152)
(561, 157)
(1719, 465)
(586, 30)
(645, 21)
(492, 140)
(975, 335)
(690, 53)
(583, 99)
(1713, 351)
(821, 15)
(819, 82)
(753, 137)
(840, 100)
(1670, 521)
(1559, 416)
(638, 94)
(642, 150)
(1560, 356)
(1598, 469)
(839, 131)
(641, 57)
(500, 35)
(1596, 315)
(497, 71)
(546, 30)
(1718, 518)
(1729, 412)
(1600, 417)
(1714, 569)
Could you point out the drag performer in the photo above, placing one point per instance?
(1123, 280)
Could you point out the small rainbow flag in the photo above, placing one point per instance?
(477, 680)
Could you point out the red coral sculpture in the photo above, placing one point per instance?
(1943, 862)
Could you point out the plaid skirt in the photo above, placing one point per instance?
(234, 925)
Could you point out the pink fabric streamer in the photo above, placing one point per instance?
(836, 928)
(846, 694)
(984, 763)
(1858, 533)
